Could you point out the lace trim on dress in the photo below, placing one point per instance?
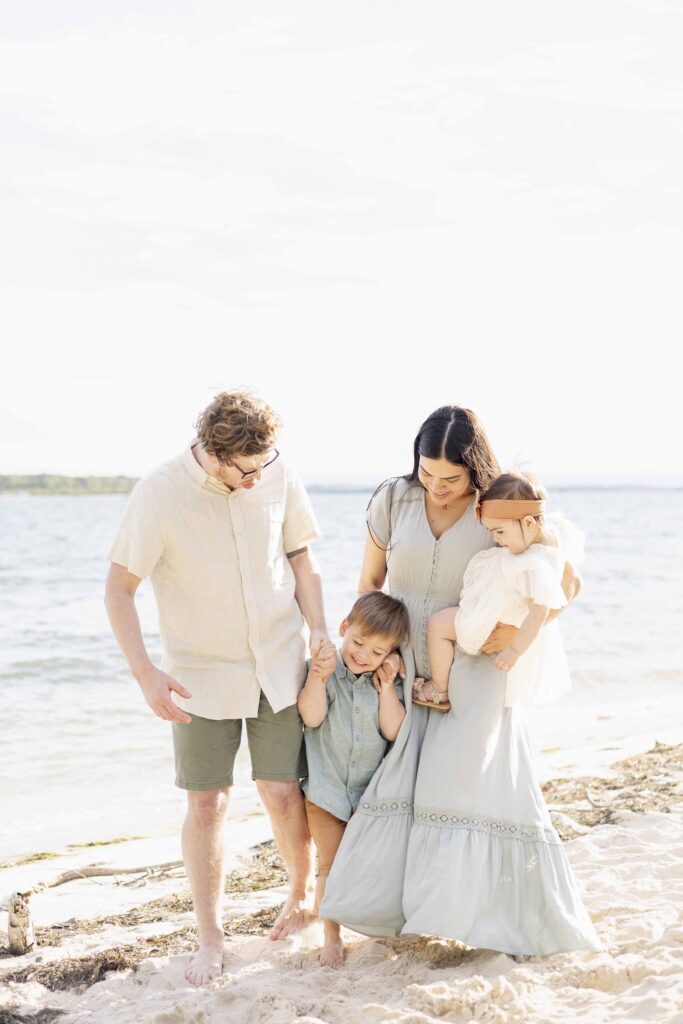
(441, 817)
(386, 808)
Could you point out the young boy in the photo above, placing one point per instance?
(348, 724)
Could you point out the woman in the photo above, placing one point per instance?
(432, 848)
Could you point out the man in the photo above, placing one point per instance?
(223, 530)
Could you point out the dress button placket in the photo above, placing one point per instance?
(427, 602)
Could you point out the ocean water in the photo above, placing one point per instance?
(82, 758)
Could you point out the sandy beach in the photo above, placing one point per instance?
(111, 947)
(439, 243)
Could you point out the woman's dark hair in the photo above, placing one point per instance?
(452, 433)
(456, 434)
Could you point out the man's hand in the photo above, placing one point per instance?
(324, 661)
(318, 637)
(157, 688)
(501, 637)
(507, 659)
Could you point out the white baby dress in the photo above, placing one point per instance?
(496, 588)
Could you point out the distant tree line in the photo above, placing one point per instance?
(50, 483)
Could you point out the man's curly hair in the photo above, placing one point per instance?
(237, 423)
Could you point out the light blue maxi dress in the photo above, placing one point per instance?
(452, 836)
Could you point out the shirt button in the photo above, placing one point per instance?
(353, 763)
(357, 738)
(357, 710)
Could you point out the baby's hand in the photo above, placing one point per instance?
(324, 661)
(507, 659)
(388, 670)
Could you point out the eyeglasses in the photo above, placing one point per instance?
(251, 472)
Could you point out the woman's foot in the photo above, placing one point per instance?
(332, 953)
(428, 695)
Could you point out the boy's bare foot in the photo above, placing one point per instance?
(294, 916)
(206, 965)
(332, 953)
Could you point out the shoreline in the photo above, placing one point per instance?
(563, 747)
(99, 938)
(51, 483)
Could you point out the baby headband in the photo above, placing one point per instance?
(510, 508)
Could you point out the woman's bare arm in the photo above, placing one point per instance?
(373, 571)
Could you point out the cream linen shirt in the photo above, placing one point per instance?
(229, 622)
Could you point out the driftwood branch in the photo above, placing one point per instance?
(147, 871)
(93, 872)
(20, 925)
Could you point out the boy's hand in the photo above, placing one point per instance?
(380, 674)
(388, 670)
(507, 659)
(323, 664)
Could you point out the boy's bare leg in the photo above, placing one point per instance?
(332, 953)
(328, 832)
(285, 805)
(202, 842)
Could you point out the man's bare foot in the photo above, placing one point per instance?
(332, 953)
(294, 916)
(206, 965)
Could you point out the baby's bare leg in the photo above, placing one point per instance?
(440, 646)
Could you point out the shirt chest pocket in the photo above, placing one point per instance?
(266, 525)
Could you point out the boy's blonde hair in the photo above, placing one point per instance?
(377, 614)
(237, 423)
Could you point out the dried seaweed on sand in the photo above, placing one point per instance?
(646, 782)
(652, 781)
(44, 1016)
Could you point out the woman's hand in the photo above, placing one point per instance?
(391, 667)
(571, 582)
(507, 659)
(501, 637)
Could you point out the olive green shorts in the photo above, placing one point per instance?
(205, 749)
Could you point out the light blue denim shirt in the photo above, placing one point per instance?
(345, 750)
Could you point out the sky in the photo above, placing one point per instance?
(363, 210)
